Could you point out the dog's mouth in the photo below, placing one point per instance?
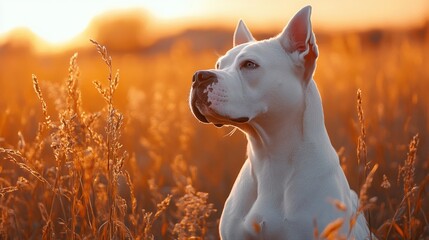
(195, 110)
(200, 105)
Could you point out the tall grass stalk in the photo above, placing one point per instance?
(362, 159)
(406, 210)
(115, 158)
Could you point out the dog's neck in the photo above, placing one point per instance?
(282, 140)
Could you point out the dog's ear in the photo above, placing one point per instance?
(298, 37)
(242, 34)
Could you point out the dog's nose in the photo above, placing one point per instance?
(202, 76)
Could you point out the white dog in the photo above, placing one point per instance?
(266, 88)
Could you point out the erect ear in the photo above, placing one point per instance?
(242, 34)
(298, 37)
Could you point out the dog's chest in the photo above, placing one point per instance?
(265, 219)
(262, 206)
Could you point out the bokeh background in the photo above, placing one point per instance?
(380, 47)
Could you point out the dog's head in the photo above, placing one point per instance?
(257, 78)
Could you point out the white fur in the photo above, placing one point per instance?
(292, 173)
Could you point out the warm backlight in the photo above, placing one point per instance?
(59, 21)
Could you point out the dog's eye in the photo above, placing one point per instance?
(217, 65)
(249, 65)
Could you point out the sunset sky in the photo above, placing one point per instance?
(58, 21)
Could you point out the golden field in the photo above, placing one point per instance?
(125, 159)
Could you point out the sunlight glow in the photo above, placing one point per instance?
(59, 21)
(54, 21)
(170, 9)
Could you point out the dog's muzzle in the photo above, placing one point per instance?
(199, 96)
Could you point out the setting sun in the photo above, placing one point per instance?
(60, 21)
(54, 21)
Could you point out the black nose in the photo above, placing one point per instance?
(202, 76)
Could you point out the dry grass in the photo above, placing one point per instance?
(78, 197)
(128, 160)
(404, 222)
